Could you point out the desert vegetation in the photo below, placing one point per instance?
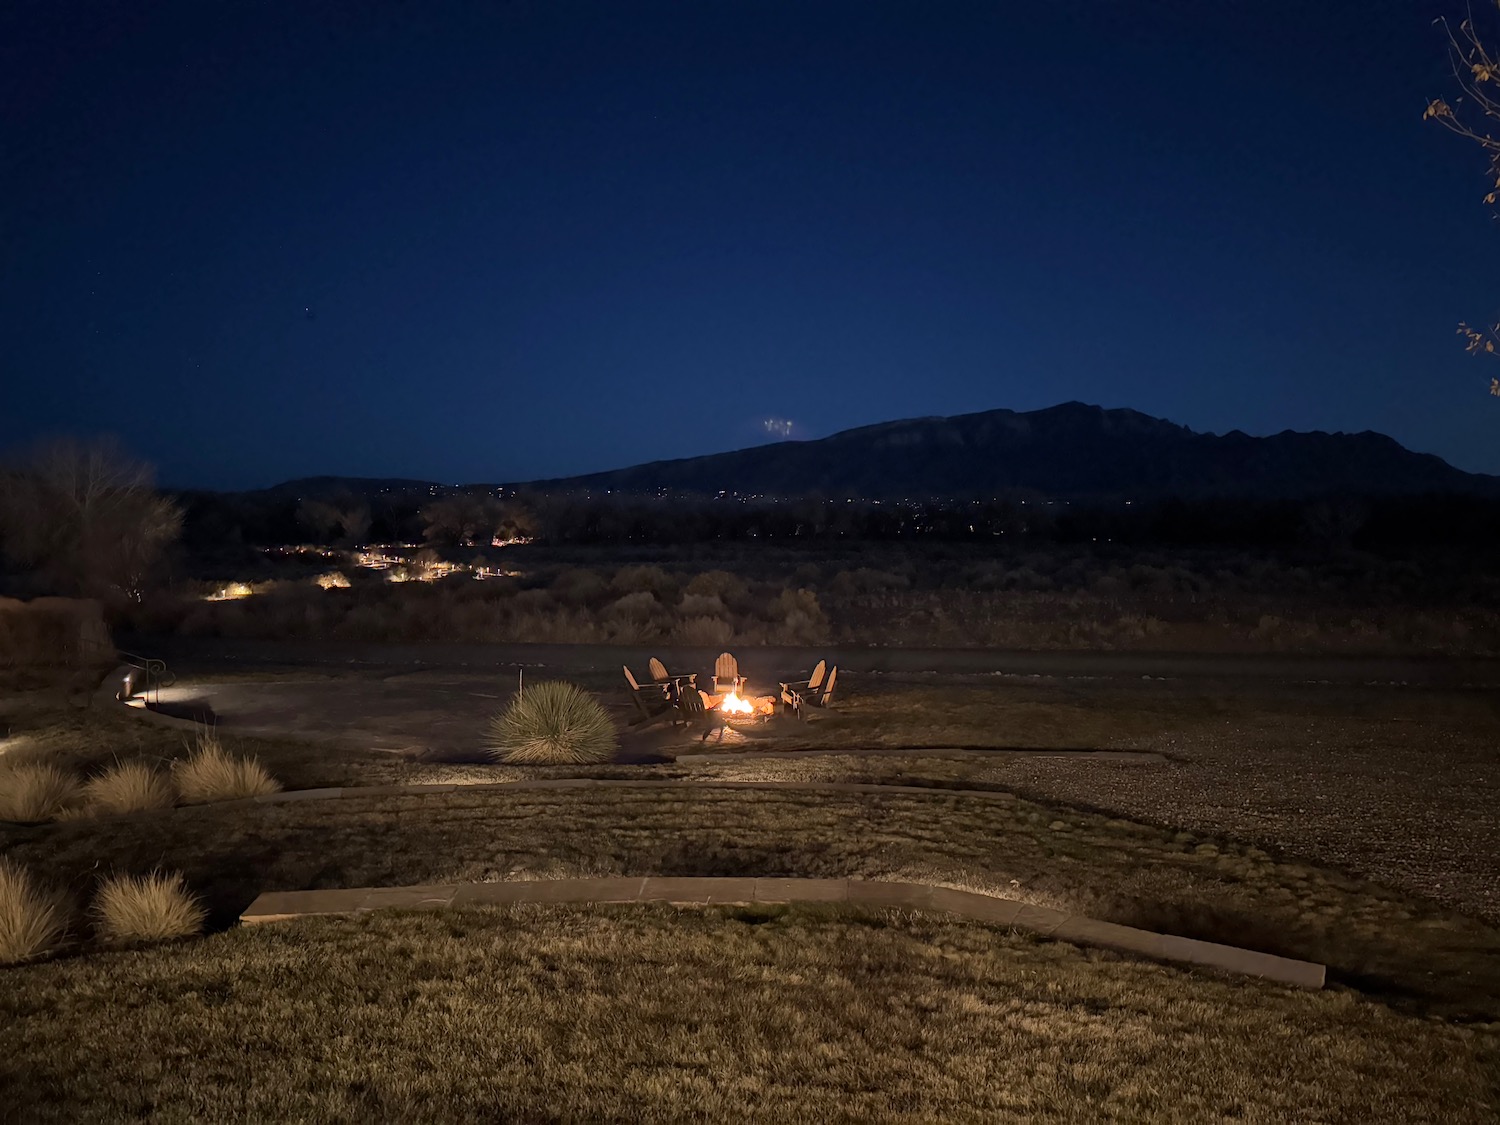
(211, 773)
(32, 919)
(550, 724)
(922, 596)
(152, 907)
(127, 787)
(40, 783)
(85, 518)
(31, 792)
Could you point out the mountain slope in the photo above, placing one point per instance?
(1072, 450)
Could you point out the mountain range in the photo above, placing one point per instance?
(1069, 451)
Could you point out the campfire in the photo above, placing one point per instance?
(736, 706)
(732, 704)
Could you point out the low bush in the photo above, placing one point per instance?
(212, 773)
(32, 920)
(553, 723)
(32, 793)
(644, 580)
(154, 907)
(127, 787)
(727, 587)
(703, 632)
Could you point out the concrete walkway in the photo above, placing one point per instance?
(278, 906)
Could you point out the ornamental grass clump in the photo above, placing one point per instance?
(212, 773)
(32, 920)
(127, 787)
(553, 724)
(153, 907)
(32, 793)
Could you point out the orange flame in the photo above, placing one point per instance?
(732, 704)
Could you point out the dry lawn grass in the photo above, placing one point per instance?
(1388, 943)
(154, 907)
(89, 741)
(31, 792)
(127, 787)
(656, 1014)
(32, 919)
(214, 774)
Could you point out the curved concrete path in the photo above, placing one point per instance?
(278, 906)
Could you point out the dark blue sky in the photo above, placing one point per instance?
(509, 240)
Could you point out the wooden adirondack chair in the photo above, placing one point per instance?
(815, 691)
(652, 700)
(727, 676)
(802, 687)
(695, 712)
(660, 674)
(822, 696)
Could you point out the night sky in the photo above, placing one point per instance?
(501, 241)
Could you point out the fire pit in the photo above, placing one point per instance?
(735, 707)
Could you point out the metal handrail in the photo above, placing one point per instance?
(154, 676)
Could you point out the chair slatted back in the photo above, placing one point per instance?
(727, 674)
(827, 692)
(815, 681)
(658, 670)
(691, 704)
(630, 679)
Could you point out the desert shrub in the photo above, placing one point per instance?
(637, 607)
(801, 620)
(864, 580)
(700, 605)
(728, 588)
(642, 579)
(564, 627)
(31, 918)
(212, 773)
(127, 787)
(1108, 586)
(333, 580)
(534, 601)
(577, 586)
(154, 907)
(552, 723)
(1026, 578)
(30, 793)
(704, 632)
(1132, 626)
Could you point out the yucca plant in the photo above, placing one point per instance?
(30, 793)
(127, 787)
(154, 907)
(212, 773)
(554, 723)
(31, 919)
